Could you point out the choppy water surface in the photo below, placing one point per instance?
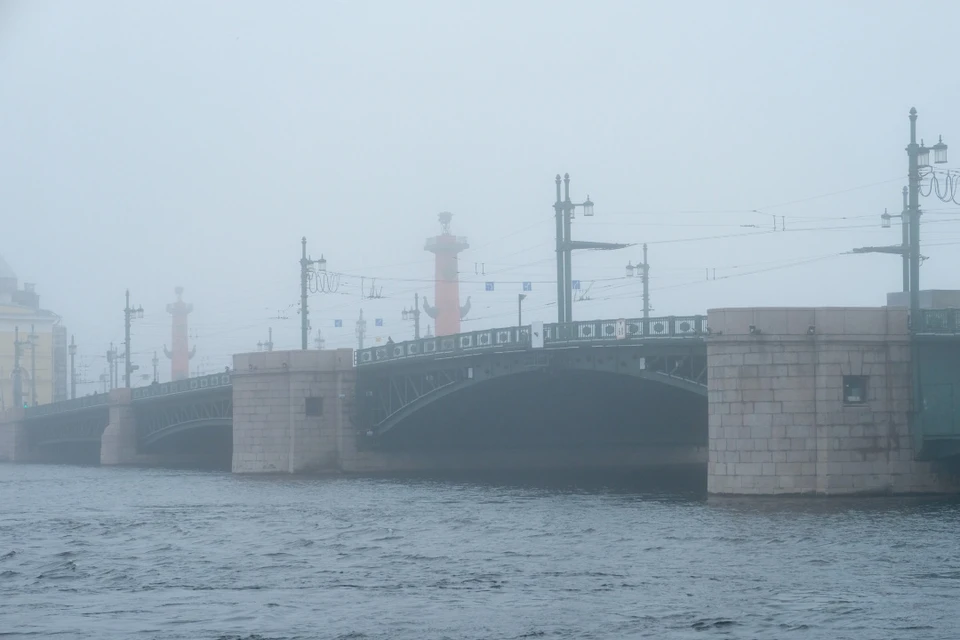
(119, 553)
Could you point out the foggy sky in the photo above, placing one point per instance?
(153, 144)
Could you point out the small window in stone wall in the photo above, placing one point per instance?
(314, 406)
(854, 389)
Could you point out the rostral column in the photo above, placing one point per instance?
(448, 311)
(180, 354)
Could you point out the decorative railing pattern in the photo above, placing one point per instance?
(182, 386)
(139, 393)
(86, 402)
(556, 335)
(939, 321)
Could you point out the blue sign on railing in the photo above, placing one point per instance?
(554, 336)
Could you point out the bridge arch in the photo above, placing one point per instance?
(400, 396)
(162, 422)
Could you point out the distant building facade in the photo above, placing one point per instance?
(44, 374)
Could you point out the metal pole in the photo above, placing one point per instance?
(561, 281)
(361, 330)
(156, 370)
(33, 367)
(520, 298)
(914, 206)
(905, 245)
(568, 252)
(17, 379)
(73, 370)
(416, 316)
(646, 286)
(126, 342)
(303, 293)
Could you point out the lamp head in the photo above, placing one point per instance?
(923, 155)
(588, 208)
(940, 152)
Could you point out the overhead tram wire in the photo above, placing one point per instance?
(486, 277)
(700, 281)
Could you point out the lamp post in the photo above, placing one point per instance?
(564, 210)
(361, 331)
(112, 366)
(413, 314)
(72, 350)
(520, 298)
(18, 346)
(268, 345)
(306, 274)
(918, 156)
(33, 367)
(904, 216)
(129, 313)
(902, 249)
(643, 270)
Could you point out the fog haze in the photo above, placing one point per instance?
(155, 144)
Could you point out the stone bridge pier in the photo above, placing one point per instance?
(814, 401)
(14, 446)
(291, 411)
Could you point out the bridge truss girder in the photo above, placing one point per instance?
(160, 419)
(68, 427)
(389, 394)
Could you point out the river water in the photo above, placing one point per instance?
(97, 553)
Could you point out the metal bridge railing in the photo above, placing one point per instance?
(939, 321)
(182, 386)
(86, 402)
(139, 393)
(556, 335)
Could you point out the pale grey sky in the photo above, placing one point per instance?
(160, 143)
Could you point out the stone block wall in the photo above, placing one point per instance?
(12, 436)
(118, 444)
(290, 410)
(779, 421)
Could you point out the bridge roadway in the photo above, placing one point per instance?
(391, 383)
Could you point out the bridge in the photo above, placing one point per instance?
(161, 412)
(398, 380)
(625, 391)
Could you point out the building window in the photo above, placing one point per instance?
(854, 389)
(314, 406)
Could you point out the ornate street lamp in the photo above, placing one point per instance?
(564, 209)
(642, 269)
(940, 152)
(313, 279)
(587, 208)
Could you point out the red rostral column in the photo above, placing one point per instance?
(181, 354)
(448, 311)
